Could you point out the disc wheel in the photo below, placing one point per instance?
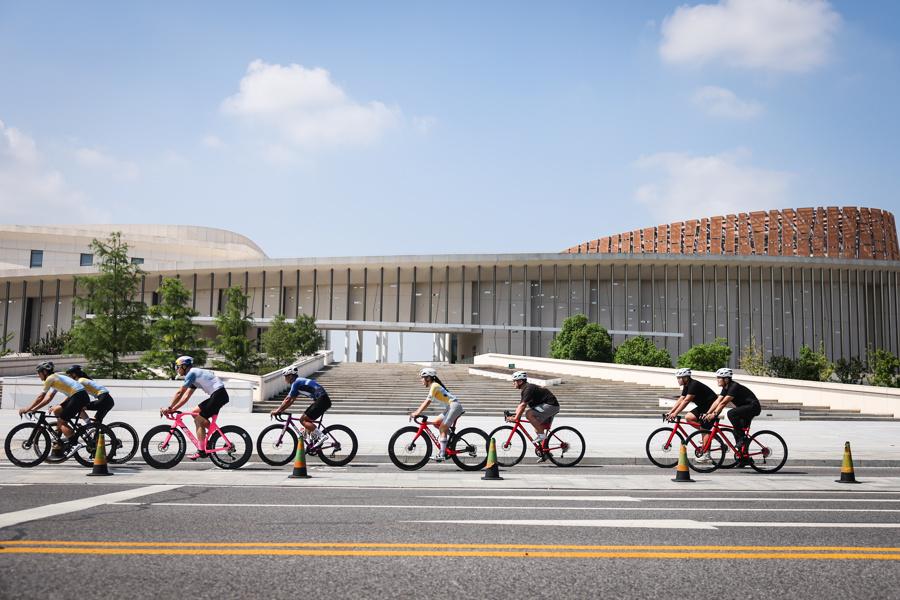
(126, 443)
(163, 447)
(705, 462)
(768, 451)
(663, 447)
(27, 445)
(566, 446)
(471, 447)
(408, 450)
(510, 445)
(338, 446)
(86, 438)
(230, 447)
(276, 445)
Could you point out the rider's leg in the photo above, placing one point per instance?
(308, 424)
(691, 418)
(540, 427)
(201, 423)
(443, 428)
(61, 424)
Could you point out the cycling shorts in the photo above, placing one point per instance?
(451, 413)
(545, 412)
(212, 405)
(103, 404)
(315, 410)
(72, 405)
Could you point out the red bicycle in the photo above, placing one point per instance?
(411, 447)
(164, 446)
(766, 451)
(663, 444)
(564, 445)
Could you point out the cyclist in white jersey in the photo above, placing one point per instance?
(206, 380)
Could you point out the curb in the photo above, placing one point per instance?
(596, 461)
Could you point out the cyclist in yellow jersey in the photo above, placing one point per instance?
(438, 391)
(76, 397)
(104, 401)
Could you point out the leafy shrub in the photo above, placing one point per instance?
(706, 357)
(884, 367)
(849, 371)
(641, 351)
(52, 343)
(581, 340)
(810, 365)
(753, 360)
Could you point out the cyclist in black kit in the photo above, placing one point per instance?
(698, 393)
(539, 405)
(746, 406)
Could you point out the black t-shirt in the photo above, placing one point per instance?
(703, 397)
(741, 394)
(534, 395)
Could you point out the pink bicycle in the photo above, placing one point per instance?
(164, 446)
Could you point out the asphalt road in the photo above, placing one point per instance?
(413, 542)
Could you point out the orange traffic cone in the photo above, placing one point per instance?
(682, 472)
(847, 474)
(100, 467)
(300, 461)
(491, 469)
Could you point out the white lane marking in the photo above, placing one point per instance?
(630, 523)
(660, 498)
(568, 498)
(61, 508)
(805, 524)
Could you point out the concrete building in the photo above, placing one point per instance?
(783, 278)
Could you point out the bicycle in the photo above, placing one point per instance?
(126, 443)
(766, 450)
(29, 444)
(164, 446)
(411, 447)
(660, 448)
(564, 445)
(277, 444)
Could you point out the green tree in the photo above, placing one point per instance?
(641, 351)
(884, 367)
(706, 357)
(114, 323)
(581, 340)
(279, 342)
(172, 332)
(238, 354)
(4, 342)
(813, 365)
(309, 339)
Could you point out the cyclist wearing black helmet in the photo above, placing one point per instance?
(103, 403)
(539, 406)
(76, 397)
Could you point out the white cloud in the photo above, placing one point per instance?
(697, 186)
(96, 160)
(305, 108)
(424, 125)
(719, 102)
(779, 35)
(213, 141)
(33, 193)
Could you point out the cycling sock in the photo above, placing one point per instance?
(443, 446)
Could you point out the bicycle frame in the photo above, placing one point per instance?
(679, 428)
(719, 428)
(424, 427)
(297, 425)
(178, 418)
(519, 425)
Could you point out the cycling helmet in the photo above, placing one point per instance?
(290, 371)
(45, 366)
(683, 373)
(184, 361)
(725, 372)
(428, 372)
(520, 376)
(74, 370)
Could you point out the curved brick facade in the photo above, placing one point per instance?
(846, 232)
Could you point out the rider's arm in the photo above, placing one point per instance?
(285, 404)
(682, 402)
(422, 407)
(42, 399)
(180, 399)
(718, 405)
(520, 409)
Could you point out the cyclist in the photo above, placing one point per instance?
(103, 403)
(539, 405)
(746, 406)
(206, 380)
(698, 393)
(438, 391)
(76, 399)
(301, 386)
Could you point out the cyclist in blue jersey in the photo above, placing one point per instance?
(103, 403)
(206, 380)
(76, 397)
(308, 388)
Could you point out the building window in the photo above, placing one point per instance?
(87, 260)
(37, 259)
(137, 261)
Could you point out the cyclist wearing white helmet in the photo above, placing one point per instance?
(206, 380)
(438, 391)
(698, 393)
(300, 386)
(746, 406)
(539, 405)
(76, 397)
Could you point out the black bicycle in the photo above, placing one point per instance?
(30, 444)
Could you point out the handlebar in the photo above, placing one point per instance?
(507, 413)
(282, 417)
(420, 419)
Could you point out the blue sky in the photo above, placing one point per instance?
(403, 128)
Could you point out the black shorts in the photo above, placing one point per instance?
(103, 404)
(212, 405)
(72, 405)
(315, 410)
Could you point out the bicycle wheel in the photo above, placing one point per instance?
(230, 447)
(705, 462)
(510, 445)
(126, 443)
(86, 442)
(662, 447)
(767, 451)
(163, 447)
(276, 445)
(338, 447)
(408, 450)
(471, 447)
(566, 446)
(27, 445)
(731, 456)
